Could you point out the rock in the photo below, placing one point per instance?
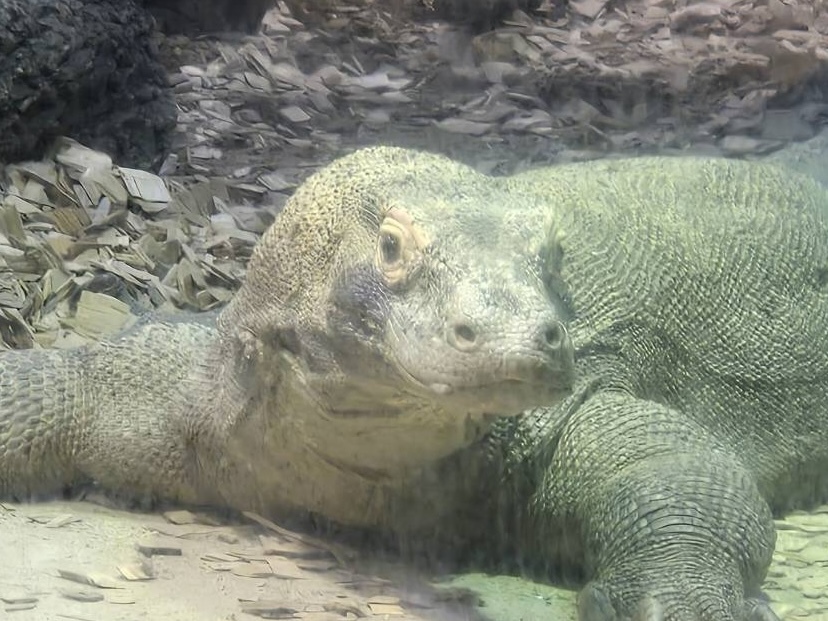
(200, 16)
(85, 69)
(478, 15)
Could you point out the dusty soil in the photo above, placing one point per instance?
(79, 560)
(85, 562)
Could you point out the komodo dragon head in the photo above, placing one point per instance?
(393, 286)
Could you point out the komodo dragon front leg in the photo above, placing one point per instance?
(672, 525)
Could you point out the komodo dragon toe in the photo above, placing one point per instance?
(612, 372)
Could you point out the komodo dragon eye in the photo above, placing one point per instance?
(390, 248)
(399, 246)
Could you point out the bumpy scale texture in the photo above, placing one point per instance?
(612, 370)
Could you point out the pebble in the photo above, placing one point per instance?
(153, 549)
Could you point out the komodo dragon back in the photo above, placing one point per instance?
(726, 260)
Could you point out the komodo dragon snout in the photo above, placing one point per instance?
(385, 278)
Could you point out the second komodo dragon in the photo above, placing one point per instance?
(615, 367)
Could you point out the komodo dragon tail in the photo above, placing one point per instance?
(42, 403)
(110, 413)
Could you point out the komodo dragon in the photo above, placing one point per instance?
(658, 324)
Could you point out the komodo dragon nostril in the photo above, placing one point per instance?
(553, 335)
(463, 336)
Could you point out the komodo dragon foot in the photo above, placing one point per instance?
(595, 604)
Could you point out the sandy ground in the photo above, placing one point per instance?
(81, 561)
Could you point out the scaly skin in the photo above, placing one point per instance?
(651, 334)
(700, 303)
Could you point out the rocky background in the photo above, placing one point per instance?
(234, 103)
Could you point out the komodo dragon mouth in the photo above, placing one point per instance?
(504, 385)
(485, 380)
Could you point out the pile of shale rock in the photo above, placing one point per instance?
(90, 69)
(233, 122)
(505, 81)
(86, 246)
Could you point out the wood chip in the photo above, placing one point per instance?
(337, 551)
(256, 81)
(385, 609)
(99, 315)
(347, 607)
(223, 566)
(295, 114)
(144, 185)
(82, 596)
(285, 568)
(219, 557)
(102, 581)
(462, 126)
(384, 599)
(248, 556)
(272, 609)
(275, 182)
(317, 565)
(62, 520)
(588, 8)
(253, 570)
(136, 571)
(18, 599)
(70, 220)
(20, 606)
(319, 616)
(104, 183)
